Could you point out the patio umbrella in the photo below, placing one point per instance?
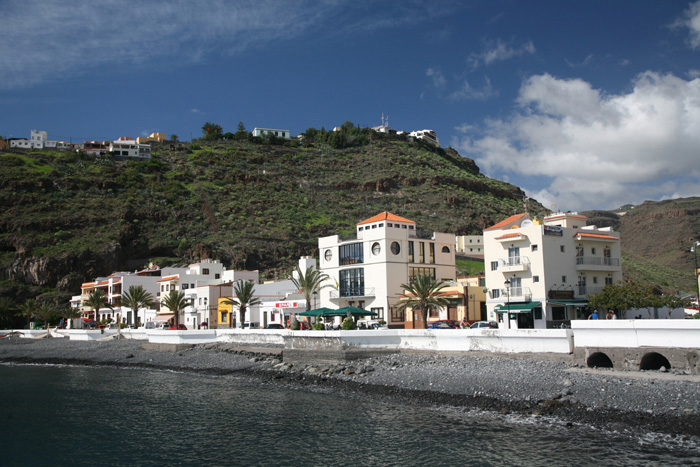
(318, 311)
(353, 310)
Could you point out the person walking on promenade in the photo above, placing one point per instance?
(594, 315)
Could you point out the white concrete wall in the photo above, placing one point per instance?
(635, 333)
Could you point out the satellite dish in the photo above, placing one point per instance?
(527, 223)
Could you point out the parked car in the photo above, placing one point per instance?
(90, 324)
(442, 324)
(180, 327)
(274, 326)
(484, 324)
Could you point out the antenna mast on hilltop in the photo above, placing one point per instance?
(385, 122)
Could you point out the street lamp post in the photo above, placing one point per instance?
(507, 284)
(694, 249)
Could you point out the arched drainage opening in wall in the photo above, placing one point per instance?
(599, 360)
(654, 361)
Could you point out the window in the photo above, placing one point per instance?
(593, 251)
(224, 315)
(431, 253)
(533, 248)
(381, 225)
(395, 248)
(579, 251)
(561, 248)
(351, 254)
(563, 279)
(352, 282)
(376, 248)
(494, 265)
(360, 229)
(411, 255)
(595, 280)
(217, 276)
(397, 315)
(445, 249)
(421, 252)
(205, 271)
(495, 293)
(410, 227)
(608, 281)
(185, 286)
(482, 282)
(379, 311)
(374, 226)
(403, 226)
(413, 272)
(388, 224)
(535, 278)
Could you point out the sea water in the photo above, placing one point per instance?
(62, 415)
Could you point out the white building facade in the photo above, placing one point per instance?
(367, 271)
(280, 133)
(472, 245)
(539, 273)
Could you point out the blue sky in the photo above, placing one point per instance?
(583, 104)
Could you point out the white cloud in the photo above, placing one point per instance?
(439, 80)
(47, 40)
(691, 20)
(499, 51)
(468, 92)
(196, 111)
(597, 150)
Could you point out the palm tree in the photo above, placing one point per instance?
(137, 297)
(96, 300)
(47, 313)
(176, 302)
(423, 293)
(243, 298)
(28, 309)
(308, 282)
(8, 309)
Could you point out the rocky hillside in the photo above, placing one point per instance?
(254, 205)
(656, 240)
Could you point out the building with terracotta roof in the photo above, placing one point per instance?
(540, 273)
(385, 253)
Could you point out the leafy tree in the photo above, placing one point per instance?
(623, 296)
(28, 309)
(423, 293)
(97, 300)
(243, 298)
(308, 282)
(241, 126)
(8, 309)
(173, 137)
(212, 131)
(176, 302)
(136, 298)
(228, 136)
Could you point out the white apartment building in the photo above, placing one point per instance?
(367, 271)
(539, 273)
(286, 134)
(20, 143)
(472, 245)
(128, 147)
(38, 139)
(426, 135)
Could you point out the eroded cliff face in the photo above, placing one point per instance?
(65, 272)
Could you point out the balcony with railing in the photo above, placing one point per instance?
(514, 264)
(352, 292)
(513, 294)
(596, 263)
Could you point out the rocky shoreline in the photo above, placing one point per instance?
(528, 385)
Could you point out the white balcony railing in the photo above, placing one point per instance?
(597, 261)
(514, 263)
(352, 292)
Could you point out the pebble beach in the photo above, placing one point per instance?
(531, 385)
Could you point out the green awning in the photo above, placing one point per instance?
(568, 303)
(516, 307)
